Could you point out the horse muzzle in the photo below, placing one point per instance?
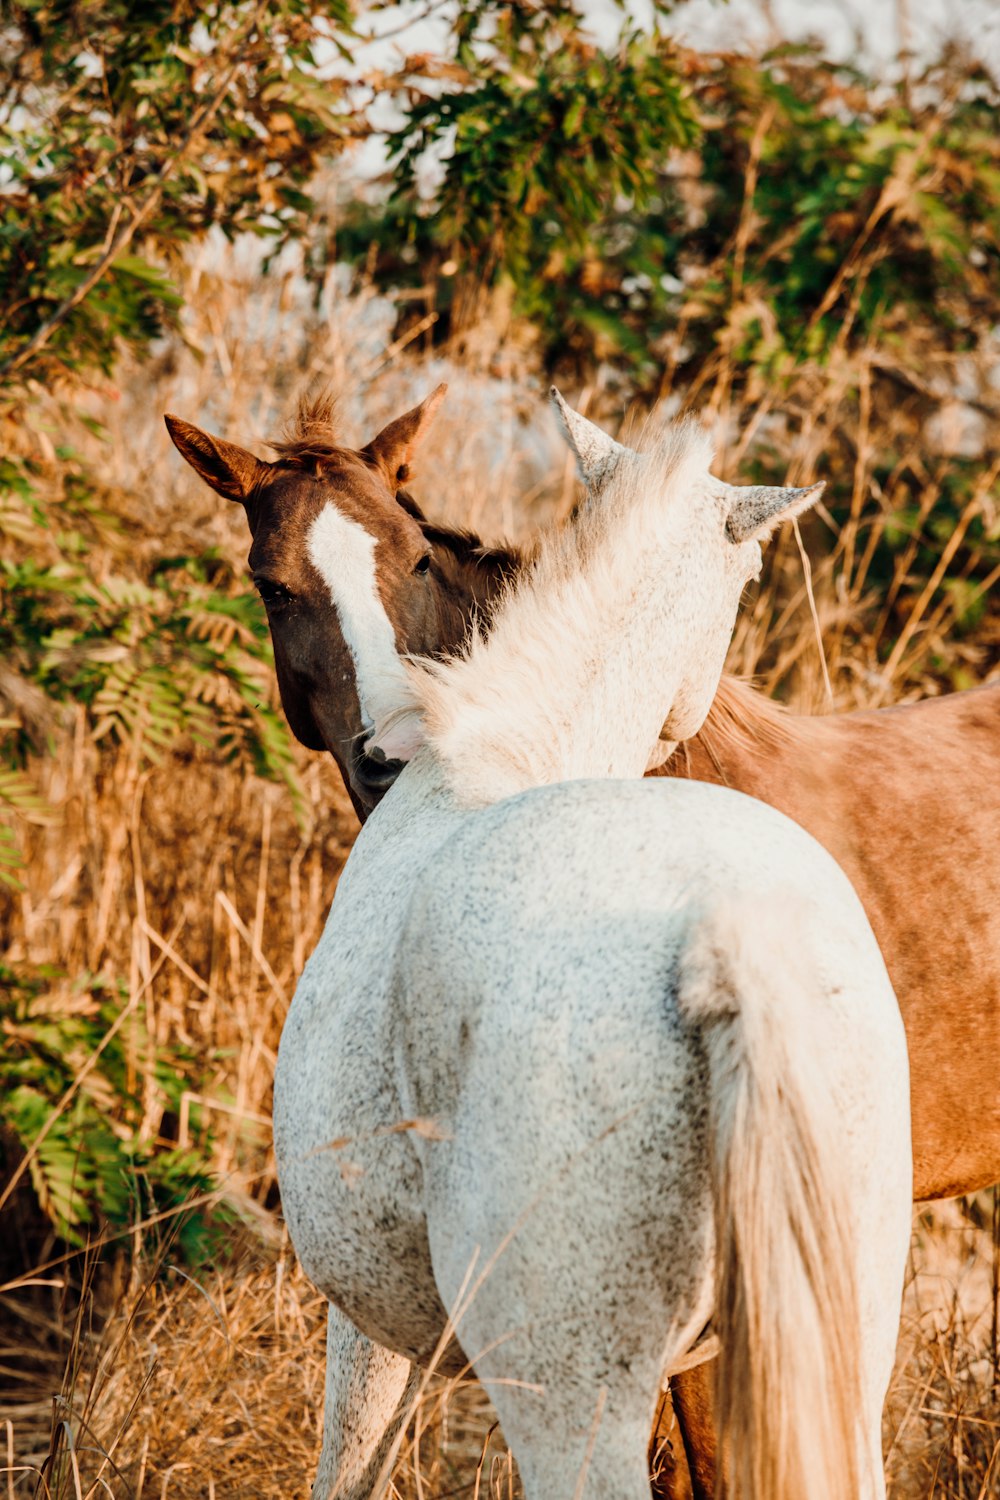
(372, 775)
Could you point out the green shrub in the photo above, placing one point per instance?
(163, 650)
(74, 1062)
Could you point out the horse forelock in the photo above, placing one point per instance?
(310, 436)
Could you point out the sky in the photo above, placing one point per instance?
(846, 26)
(879, 26)
(867, 31)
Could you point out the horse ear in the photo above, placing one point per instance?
(231, 471)
(756, 509)
(597, 455)
(395, 445)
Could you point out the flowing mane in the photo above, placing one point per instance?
(742, 715)
(513, 710)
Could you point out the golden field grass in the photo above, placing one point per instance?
(194, 883)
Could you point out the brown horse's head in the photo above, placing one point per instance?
(351, 573)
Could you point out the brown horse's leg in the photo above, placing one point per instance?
(668, 1469)
(694, 1404)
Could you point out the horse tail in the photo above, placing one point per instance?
(787, 1308)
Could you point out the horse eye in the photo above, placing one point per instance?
(424, 565)
(272, 592)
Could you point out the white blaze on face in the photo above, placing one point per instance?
(343, 553)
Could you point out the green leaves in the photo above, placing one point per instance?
(182, 654)
(133, 128)
(545, 141)
(129, 131)
(811, 212)
(19, 800)
(92, 1160)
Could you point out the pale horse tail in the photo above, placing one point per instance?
(787, 1308)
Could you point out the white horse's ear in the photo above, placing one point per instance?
(755, 510)
(597, 455)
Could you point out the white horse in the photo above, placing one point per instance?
(583, 1064)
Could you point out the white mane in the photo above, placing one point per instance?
(533, 702)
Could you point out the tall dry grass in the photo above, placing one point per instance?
(196, 884)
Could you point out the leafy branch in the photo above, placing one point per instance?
(121, 238)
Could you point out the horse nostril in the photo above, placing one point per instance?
(374, 773)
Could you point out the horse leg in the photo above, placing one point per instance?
(580, 1444)
(694, 1406)
(575, 1390)
(880, 1277)
(368, 1396)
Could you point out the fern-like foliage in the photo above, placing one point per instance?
(160, 651)
(98, 1161)
(19, 799)
(170, 651)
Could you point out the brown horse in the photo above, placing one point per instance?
(905, 798)
(433, 581)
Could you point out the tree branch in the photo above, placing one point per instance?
(127, 233)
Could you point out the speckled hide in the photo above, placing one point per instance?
(579, 1068)
(516, 975)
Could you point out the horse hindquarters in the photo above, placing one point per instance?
(812, 1181)
(570, 1208)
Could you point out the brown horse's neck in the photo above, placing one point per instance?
(470, 577)
(741, 719)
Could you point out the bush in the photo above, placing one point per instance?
(76, 1062)
(161, 650)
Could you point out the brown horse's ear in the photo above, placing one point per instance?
(395, 445)
(231, 471)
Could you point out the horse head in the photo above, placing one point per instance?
(717, 530)
(353, 576)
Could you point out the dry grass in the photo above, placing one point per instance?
(942, 1425)
(196, 885)
(213, 1387)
